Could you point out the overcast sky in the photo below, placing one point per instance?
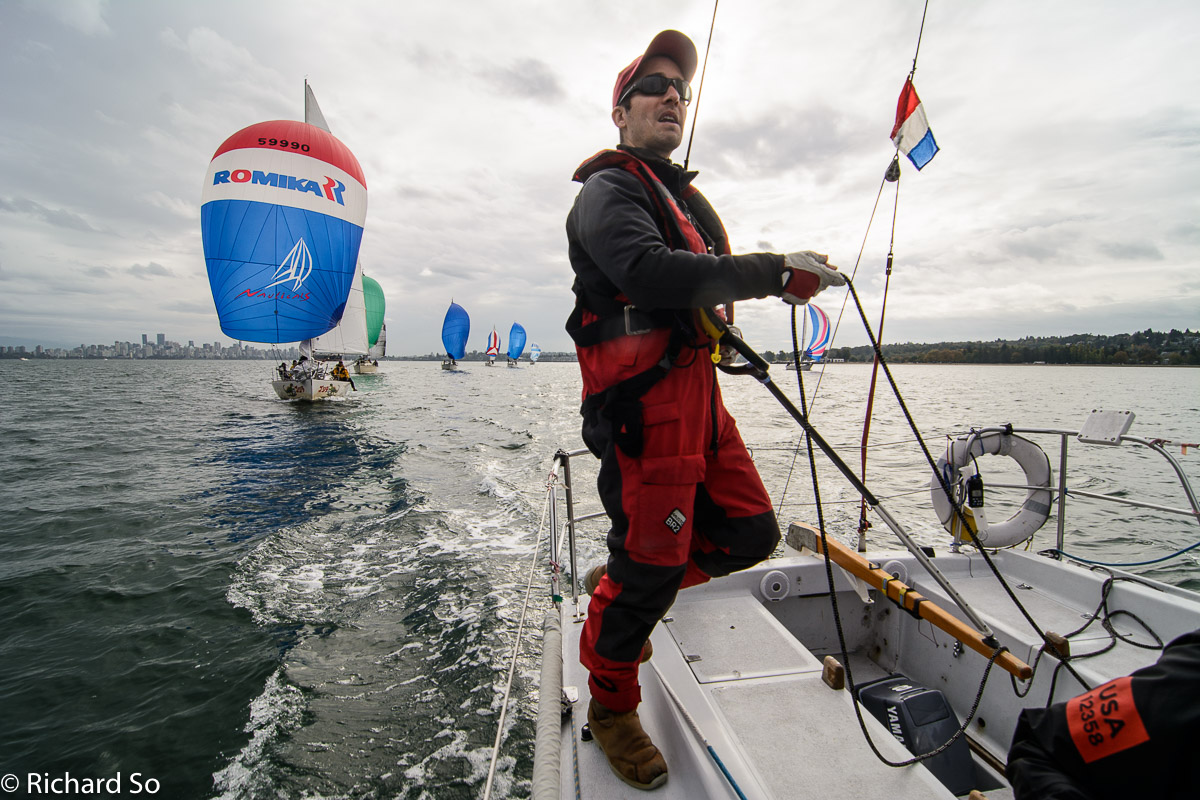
(1065, 198)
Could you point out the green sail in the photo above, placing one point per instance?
(373, 294)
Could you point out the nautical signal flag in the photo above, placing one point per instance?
(912, 134)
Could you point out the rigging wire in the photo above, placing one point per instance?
(920, 33)
(833, 335)
(892, 174)
(700, 88)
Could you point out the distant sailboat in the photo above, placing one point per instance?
(456, 327)
(817, 342)
(349, 337)
(368, 363)
(282, 215)
(379, 349)
(516, 343)
(493, 347)
(535, 353)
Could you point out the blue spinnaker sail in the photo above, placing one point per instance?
(535, 352)
(281, 219)
(516, 341)
(456, 327)
(818, 343)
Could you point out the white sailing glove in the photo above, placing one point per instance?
(806, 274)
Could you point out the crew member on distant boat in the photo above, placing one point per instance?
(1131, 737)
(300, 369)
(340, 373)
(684, 498)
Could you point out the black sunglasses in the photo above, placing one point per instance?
(656, 85)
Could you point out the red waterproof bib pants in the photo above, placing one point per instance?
(682, 512)
(685, 501)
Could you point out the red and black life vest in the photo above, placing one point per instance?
(692, 226)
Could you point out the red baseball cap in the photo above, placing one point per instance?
(672, 44)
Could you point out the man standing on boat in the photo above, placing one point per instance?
(684, 498)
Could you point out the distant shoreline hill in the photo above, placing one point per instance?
(1146, 348)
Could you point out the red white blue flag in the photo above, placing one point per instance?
(911, 134)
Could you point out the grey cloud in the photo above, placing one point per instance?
(1031, 248)
(1132, 251)
(199, 308)
(1186, 232)
(87, 18)
(817, 140)
(149, 270)
(530, 78)
(53, 216)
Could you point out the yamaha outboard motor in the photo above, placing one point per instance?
(922, 720)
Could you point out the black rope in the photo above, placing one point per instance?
(1105, 615)
(837, 616)
(942, 479)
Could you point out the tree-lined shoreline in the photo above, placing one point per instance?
(1148, 347)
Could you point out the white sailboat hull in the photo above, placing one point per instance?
(310, 389)
(365, 368)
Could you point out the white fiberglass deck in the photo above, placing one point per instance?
(757, 696)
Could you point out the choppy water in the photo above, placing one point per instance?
(240, 597)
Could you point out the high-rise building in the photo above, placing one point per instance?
(162, 340)
(145, 339)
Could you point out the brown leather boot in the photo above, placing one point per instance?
(630, 753)
(590, 581)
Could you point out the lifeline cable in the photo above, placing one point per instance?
(1167, 557)
(512, 667)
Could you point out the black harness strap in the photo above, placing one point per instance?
(627, 321)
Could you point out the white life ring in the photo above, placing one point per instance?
(958, 464)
